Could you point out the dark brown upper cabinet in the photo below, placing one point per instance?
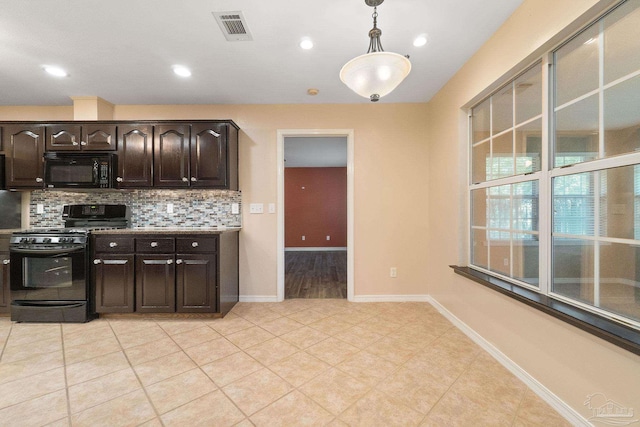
(171, 155)
(208, 155)
(85, 137)
(135, 156)
(23, 145)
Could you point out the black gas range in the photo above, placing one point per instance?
(50, 280)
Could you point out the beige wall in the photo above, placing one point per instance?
(569, 362)
(390, 183)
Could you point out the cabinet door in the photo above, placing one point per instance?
(155, 283)
(113, 276)
(98, 137)
(196, 283)
(5, 291)
(171, 156)
(65, 137)
(23, 147)
(135, 156)
(209, 155)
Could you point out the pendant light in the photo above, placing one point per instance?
(376, 73)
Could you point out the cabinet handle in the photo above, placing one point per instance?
(178, 261)
(119, 179)
(6, 261)
(83, 143)
(185, 179)
(38, 179)
(194, 244)
(194, 179)
(169, 261)
(74, 143)
(154, 244)
(97, 261)
(112, 244)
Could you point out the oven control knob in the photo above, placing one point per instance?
(46, 240)
(97, 261)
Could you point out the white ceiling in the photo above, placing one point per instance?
(123, 50)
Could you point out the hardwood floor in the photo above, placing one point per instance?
(311, 274)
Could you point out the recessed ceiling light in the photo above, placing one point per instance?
(55, 71)
(421, 40)
(306, 43)
(181, 71)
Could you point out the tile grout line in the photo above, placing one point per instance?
(144, 390)
(66, 383)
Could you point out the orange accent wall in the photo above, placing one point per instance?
(315, 206)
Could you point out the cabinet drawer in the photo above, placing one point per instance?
(114, 244)
(155, 245)
(196, 244)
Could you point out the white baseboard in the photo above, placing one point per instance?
(258, 298)
(391, 298)
(545, 394)
(321, 248)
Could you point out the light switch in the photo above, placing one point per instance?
(169, 207)
(256, 208)
(235, 208)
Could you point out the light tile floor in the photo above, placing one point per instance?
(299, 362)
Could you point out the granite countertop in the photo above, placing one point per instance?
(169, 230)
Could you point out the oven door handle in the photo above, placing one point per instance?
(64, 251)
(66, 304)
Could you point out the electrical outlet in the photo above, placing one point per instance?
(235, 208)
(303, 237)
(393, 272)
(169, 207)
(506, 262)
(40, 208)
(272, 208)
(328, 237)
(256, 208)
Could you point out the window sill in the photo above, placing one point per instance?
(613, 332)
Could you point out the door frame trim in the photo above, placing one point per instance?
(286, 133)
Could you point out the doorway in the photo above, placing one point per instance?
(314, 256)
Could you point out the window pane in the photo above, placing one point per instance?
(502, 112)
(479, 208)
(502, 158)
(576, 67)
(480, 121)
(528, 147)
(618, 199)
(577, 131)
(619, 286)
(573, 269)
(480, 159)
(499, 209)
(526, 258)
(525, 206)
(622, 117)
(621, 48)
(529, 94)
(479, 248)
(573, 204)
(500, 253)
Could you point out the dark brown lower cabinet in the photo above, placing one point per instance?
(5, 291)
(155, 283)
(165, 273)
(196, 283)
(113, 276)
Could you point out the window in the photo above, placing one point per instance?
(570, 194)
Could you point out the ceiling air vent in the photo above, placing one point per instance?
(233, 26)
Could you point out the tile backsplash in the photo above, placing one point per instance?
(191, 208)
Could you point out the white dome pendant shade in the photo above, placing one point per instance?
(376, 73)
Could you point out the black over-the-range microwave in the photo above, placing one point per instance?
(79, 170)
